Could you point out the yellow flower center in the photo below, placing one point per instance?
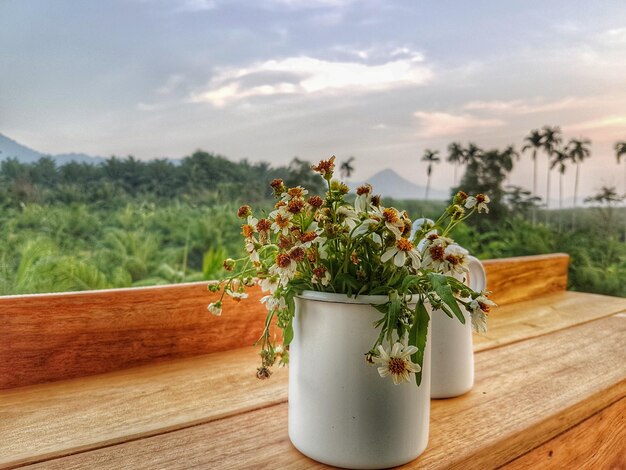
(404, 245)
(391, 215)
(397, 366)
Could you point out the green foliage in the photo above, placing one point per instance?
(131, 223)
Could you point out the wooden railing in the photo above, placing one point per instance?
(48, 337)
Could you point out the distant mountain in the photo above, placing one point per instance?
(390, 184)
(9, 148)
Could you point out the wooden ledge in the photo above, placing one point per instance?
(193, 412)
(49, 337)
(219, 390)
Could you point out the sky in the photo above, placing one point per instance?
(380, 80)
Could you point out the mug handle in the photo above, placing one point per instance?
(477, 275)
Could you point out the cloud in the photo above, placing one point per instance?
(308, 75)
(606, 128)
(196, 5)
(311, 4)
(439, 124)
(613, 37)
(524, 107)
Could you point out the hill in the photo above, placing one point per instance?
(9, 148)
(390, 184)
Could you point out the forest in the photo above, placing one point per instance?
(128, 222)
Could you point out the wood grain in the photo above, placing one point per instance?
(597, 443)
(46, 420)
(139, 394)
(60, 336)
(545, 314)
(526, 393)
(526, 277)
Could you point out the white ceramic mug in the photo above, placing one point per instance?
(341, 412)
(452, 354)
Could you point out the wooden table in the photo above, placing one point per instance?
(120, 380)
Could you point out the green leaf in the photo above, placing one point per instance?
(395, 305)
(348, 280)
(444, 291)
(417, 337)
(410, 281)
(288, 333)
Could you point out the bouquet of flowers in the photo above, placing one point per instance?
(326, 244)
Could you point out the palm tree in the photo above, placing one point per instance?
(472, 153)
(578, 150)
(430, 156)
(508, 156)
(456, 156)
(620, 150)
(551, 137)
(346, 168)
(534, 142)
(561, 157)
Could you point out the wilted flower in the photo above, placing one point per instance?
(480, 307)
(215, 308)
(229, 264)
(278, 187)
(315, 201)
(244, 211)
(326, 168)
(263, 373)
(237, 296)
(214, 286)
(460, 198)
(321, 276)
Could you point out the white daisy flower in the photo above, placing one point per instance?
(291, 193)
(282, 222)
(433, 252)
(392, 219)
(397, 362)
(481, 201)
(364, 227)
(456, 260)
(269, 284)
(402, 249)
(285, 268)
(215, 308)
(273, 303)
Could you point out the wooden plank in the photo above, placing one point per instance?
(526, 277)
(525, 394)
(43, 421)
(51, 337)
(552, 312)
(60, 336)
(144, 410)
(596, 443)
